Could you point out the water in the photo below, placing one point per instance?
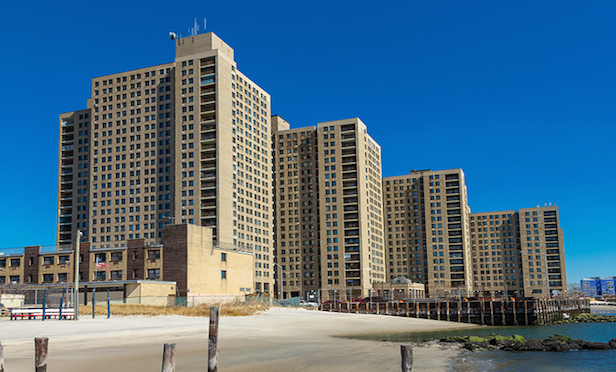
(578, 360)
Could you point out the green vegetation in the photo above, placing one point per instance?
(590, 318)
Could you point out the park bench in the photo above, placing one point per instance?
(33, 313)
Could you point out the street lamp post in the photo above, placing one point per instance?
(76, 259)
(280, 289)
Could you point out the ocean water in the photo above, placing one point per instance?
(578, 360)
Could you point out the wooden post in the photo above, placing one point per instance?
(417, 310)
(515, 313)
(407, 312)
(491, 312)
(438, 310)
(503, 313)
(212, 362)
(525, 312)
(169, 358)
(459, 312)
(1, 358)
(447, 307)
(407, 358)
(40, 357)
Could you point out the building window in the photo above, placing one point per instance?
(223, 274)
(116, 275)
(47, 260)
(116, 256)
(48, 278)
(100, 275)
(223, 257)
(154, 254)
(14, 279)
(153, 274)
(14, 263)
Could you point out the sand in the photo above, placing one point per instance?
(278, 340)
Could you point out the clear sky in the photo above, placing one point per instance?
(519, 94)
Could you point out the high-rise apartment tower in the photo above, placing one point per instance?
(329, 227)
(184, 142)
(427, 230)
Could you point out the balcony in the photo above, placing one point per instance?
(348, 225)
(349, 192)
(452, 191)
(208, 107)
(208, 213)
(208, 204)
(347, 144)
(208, 185)
(208, 194)
(351, 257)
(351, 216)
(352, 274)
(347, 127)
(208, 222)
(208, 98)
(349, 160)
(205, 175)
(351, 249)
(208, 117)
(349, 168)
(351, 208)
(347, 184)
(208, 165)
(208, 90)
(349, 176)
(210, 137)
(350, 200)
(347, 137)
(351, 233)
(353, 282)
(208, 127)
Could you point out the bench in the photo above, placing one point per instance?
(33, 313)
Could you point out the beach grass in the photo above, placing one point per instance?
(230, 309)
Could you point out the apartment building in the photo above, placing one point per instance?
(183, 142)
(427, 230)
(187, 258)
(329, 227)
(518, 253)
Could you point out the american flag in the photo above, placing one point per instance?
(100, 265)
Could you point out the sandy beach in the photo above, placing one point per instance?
(277, 340)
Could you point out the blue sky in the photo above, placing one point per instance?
(519, 94)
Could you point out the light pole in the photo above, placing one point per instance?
(68, 271)
(76, 259)
(280, 289)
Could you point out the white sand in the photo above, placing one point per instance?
(277, 340)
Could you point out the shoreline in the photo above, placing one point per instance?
(279, 339)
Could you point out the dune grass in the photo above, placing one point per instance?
(230, 309)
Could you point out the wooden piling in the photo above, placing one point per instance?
(438, 311)
(503, 313)
(447, 309)
(407, 358)
(168, 358)
(40, 354)
(491, 312)
(212, 363)
(1, 358)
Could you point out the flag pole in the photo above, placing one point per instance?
(94, 290)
